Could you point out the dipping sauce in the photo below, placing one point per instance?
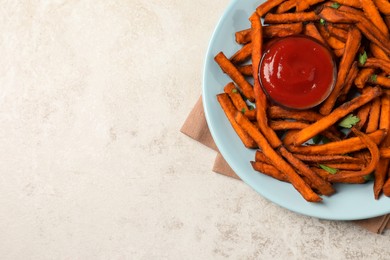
(297, 72)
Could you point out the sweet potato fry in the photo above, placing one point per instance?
(378, 64)
(260, 157)
(235, 97)
(317, 182)
(312, 31)
(339, 52)
(373, 119)
(351, 180)
(380, 176)
(269, 170)
(245, 70)
(235, 75)
(380, 80)
(302, 187)
(242, 54)
(286, 6)
(330, 40)
(285, 125)
(250, 114)
(243, 36)
(346, 166)
(362, 77)
(363, 114)
(374, 151)
(351, 47)
(348, 82)
(346, 146)
(265, 7)
(385, 153)
(373, 14)
(383, 6)
(230, 112)
(384, 121)
(386, 187)
(336, 32)
(282, 30)
(352, 3)
(261, 99)
(377, 52)
(328, 159)
(277, 112)
(291, 17)
(337, 114)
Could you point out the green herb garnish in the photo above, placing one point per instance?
(322, 21)
(362, 58)
(243, 110)
(251, 107)
(369, 177)
(328, 169)
(234, 90)
(335, 5)
(374, 78)
(349, 121)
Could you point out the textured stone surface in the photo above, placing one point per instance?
(93, 94)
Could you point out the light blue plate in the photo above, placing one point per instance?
(349, 203)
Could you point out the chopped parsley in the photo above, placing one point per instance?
(234, 90)
(328, 169)
(374, 78)
(335, 5)
(243, 110)
(362, 58)
(349, 121)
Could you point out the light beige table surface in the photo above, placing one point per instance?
(93, 94)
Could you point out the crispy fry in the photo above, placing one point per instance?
(373, 118)
(235, 97)
(383, 6)
(245, 70)
(250, 114)
(260, 157)
(373, 14)
(230, 111)
(317, 182)
(378, 63)
(352, 3)
(312, 31)
(261, 99)
(277, 112)
(346, 146)
(384, 121)
(277, 160)
(329, 159)
(286, 6)
(380, 176)
(363, 114)
(282, 30)
(362, 77)
(265, 7)
(235, 75)
(242, 54)
(269, 170)
(337, 114)
(351, 47)
(348, 82)
(330, 40)
(346, 166)
(291, 17)
(377, 52)
(351, 180)
(243, 36)
(381, 80)
(386, 187)
(285, 125)
(338, 33)
(339, 52)
(385, 153)
(374, 151)
(301, 6)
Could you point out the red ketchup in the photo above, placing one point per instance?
(297, 72)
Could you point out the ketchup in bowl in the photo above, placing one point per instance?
(297, 72)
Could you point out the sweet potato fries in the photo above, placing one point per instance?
(346, 138)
